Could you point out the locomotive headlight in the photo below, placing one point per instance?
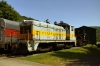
(24, 21)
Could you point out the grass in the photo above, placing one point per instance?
(87, 55)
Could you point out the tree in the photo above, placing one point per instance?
(97, 33)
(27, 18)
(7, 12)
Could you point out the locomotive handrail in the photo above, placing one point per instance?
(11, 37)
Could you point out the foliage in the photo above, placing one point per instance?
(97, 32)
(24, 17)
(8, 12)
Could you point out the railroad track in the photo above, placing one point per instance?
(19, 55)
(24, 55)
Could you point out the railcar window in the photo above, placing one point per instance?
(25, 29)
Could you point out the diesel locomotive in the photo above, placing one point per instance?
(40, 36)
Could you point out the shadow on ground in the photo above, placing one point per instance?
(10, 55)
(90, 58)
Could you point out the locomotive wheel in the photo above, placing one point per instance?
(73, 44)
(80, 44)
(50, 48)
(67, 46)
(22, 49)
(39, 49)
(98, 45)
(19, 49)
(14, 49)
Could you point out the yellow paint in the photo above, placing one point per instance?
(46, 33)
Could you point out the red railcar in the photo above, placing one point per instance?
(9, 32)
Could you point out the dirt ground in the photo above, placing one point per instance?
(4, 61)
(89, 61)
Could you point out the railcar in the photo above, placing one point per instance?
(85, 35)
(9, 33)
(81, 37)
(40, 36)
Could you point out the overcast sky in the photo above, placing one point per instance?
(74, 12)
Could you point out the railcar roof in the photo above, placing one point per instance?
(85, 27)
(10, 24)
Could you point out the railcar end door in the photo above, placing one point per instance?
(2, 25)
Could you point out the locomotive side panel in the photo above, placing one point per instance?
(36, 29)
(50, 30)
(44, 31)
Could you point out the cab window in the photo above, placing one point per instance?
(72, 28)
(25, 29)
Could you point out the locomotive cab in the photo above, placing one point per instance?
(38, 36)
(26, 31)
(66, 27)
(70, 31)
